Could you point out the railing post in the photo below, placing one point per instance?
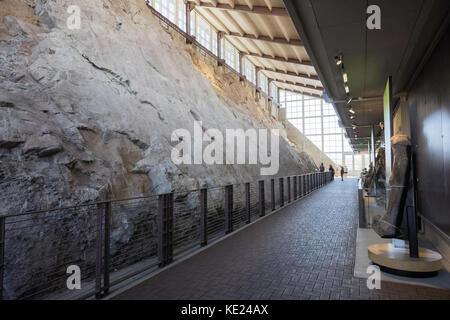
(295, 187)
(272, 193)
(289, 189)
(262, 204)
(165, 244)
(106, 253)
(2, 254)
(228, 209)
(305, 178)
(281, 191)
(309, 183)
(203, 217)
(300, 187)
(99, 252)
(247, 202)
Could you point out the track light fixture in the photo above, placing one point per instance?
(352, 117)
(350, 99)
(338, 60)
(351, 111)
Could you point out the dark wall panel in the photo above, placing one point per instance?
(429, 103)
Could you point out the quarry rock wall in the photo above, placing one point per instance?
(88, 114)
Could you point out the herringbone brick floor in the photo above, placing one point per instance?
(305, 251)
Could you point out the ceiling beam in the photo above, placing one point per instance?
(292, 74)
(292, 42)
(281, 12)
(281, 59)
(297, 84)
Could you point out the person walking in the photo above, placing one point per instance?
(322, 168)
(331, 169)
(342, 173)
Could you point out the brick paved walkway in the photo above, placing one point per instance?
(305, 251)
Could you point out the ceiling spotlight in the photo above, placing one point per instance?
(344, 76)
(338, 60)
(351, 111)
(352, 117)
(354, 127)
(349, 100)
(347, 90)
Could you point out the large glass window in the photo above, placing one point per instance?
(313, 126)
(181, 15)
(298, 123)
(204, 33)
(330, 125)
(249, 70)
(294, 109)
(231, 56)
(336, 157)
(328, 109)
(168, 8)
(274, 92)
(332, 143)
(358, 162)
(319, 123)
(262, 82)
(349, 162)
(317, 140)
(313, 107)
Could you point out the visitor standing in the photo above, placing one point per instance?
(322, 168)
(342, 173)
(331, 169)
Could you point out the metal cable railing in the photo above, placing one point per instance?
(111, 241)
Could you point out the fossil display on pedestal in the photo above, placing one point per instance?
(390, 224)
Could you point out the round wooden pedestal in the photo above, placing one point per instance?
(397, 260)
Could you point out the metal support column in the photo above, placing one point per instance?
(203, 217)
(300, 187)
(107, 246)
(272, 193)
(2, 254)
(165, 244)
(295, 187)
(228, 209)
(262, 204)
(99, 252)
(288, 189)
(281, 182)
(247, 202)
